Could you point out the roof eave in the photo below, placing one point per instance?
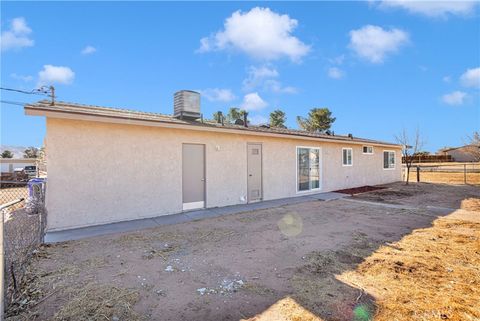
(34, 110)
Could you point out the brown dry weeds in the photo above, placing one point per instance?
(446, 178)
(431, 274)
(100, 302)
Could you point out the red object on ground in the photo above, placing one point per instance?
(358, 190)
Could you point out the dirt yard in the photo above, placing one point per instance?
(400, 253)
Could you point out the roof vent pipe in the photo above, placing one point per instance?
(220, 117)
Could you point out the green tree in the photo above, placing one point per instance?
(30, 152)
(235, 113)
(7, 154)
(318, 120)
(277, 119)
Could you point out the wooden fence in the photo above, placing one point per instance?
(430, 158)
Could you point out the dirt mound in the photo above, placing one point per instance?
(358, 190)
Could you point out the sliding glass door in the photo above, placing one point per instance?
(308, 168)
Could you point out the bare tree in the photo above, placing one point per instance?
(410, 147)
(473, 148)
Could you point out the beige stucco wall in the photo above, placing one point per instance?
(462, 154)
(103, 172)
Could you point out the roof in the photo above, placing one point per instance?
(44, 108)
(447, 149)
(18, 160)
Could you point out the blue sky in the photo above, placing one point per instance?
(379, 66)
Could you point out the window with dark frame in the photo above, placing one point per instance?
(347, 156)
(388, 160)
(368, 149)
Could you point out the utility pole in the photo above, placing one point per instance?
(52, 95)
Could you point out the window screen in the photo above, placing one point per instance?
(308, 168)
(388, 159)
(347, 156)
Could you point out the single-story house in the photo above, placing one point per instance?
(467, 153)
(108, 165)
(8, 165)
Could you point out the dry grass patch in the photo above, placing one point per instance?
(446, 178)
(471, 204)
(99, 302)
(286, 309)
(431, 274)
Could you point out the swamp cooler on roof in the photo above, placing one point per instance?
(186, 104)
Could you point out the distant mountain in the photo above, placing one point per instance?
(17, 151)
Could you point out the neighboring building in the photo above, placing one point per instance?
(11, 164)
(108, 165)
(467, 153)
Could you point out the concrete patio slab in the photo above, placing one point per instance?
(135, 225)
(91, 231)
(329, 196)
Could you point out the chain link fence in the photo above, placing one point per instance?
(23, 232)
(453, 173)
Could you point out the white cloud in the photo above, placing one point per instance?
(335, 73)
(257, 75)
(454, 98)
(433, 8)
(25, 78)
(17, 36)
(253, 101)
(374, 43)
(88, 50)
(277, 87)
(447, 79)
(55, 74)
(218, 94)
(265, 77)
(471, 78)
(260, 33)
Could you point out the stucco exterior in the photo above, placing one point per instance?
(463, 154)
(102, 172)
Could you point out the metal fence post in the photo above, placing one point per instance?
(418, 174)
(465, 173)
(2, 269)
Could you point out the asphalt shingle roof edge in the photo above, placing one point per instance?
(92, 110)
